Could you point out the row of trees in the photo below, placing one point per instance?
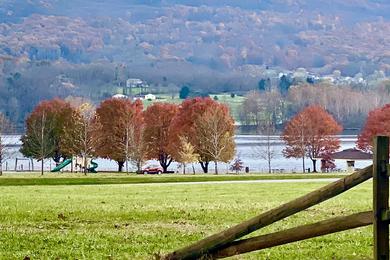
(198, 130)
(313, 133)
(347, 105)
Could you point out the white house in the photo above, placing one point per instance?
(150, 97)
(119, 96)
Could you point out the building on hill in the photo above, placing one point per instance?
(150, 97)
(138, 85)
(119, 96)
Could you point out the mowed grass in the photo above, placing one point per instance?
(234, 103)
(66, 178)
(138, 221)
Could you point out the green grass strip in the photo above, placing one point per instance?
(134, 179)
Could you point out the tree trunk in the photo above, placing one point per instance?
(184, 168)
(41, 166)
(139, 166)
(216, 167)
(1, 160)
(120, 166)
(127, 167)
(193, 168)
(269, 165)
(165, 161)
(303, 164)
(314, 165)
(205, 166)
(85, 164)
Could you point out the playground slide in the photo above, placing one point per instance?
(62, 165)
(93, 167)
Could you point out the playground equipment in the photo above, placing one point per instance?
(93, 167)
(20, 168)
(79, 162)
(62, 165)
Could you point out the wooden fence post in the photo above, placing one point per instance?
(218, 240)
(381, 197)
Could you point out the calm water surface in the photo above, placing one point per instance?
(248, 147)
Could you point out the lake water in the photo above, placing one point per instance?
(247, 150)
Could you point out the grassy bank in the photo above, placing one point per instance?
(18, 179)
(135, 222)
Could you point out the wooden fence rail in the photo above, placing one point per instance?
(321, 228)
(225, 243)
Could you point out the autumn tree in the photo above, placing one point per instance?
(121, 131)
(44, 130)
(187, 154)
(215, 133)
(377, 123)
(311, 133)
(188, 123)
(5, 128)
(158, 118)
(81, 133)
(135, 137)
(39, 141)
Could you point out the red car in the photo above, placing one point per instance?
(152, 169)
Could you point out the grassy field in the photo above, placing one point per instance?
(127, 221)
(233, 103)
(18, 179)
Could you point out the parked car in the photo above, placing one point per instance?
(152, 169)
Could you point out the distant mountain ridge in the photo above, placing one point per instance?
(319, 35)
(91, 47)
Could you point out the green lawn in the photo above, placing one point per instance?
(127, 221)
(234, 104)
(18, 179)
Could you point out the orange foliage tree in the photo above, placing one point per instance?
(81, 133)
(194, 121)
(377, 123)
(158, 118)
(311, 133)
(121, 129)
(215, 133)
(44, 130)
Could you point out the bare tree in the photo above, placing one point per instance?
(266, 150)
(5, 140)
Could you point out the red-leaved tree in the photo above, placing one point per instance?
(44, 130)
(120, 132)
(211, 138)
(158, 118)
(377, 123)
(311, 133)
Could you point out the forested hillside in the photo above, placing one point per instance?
(77, 47)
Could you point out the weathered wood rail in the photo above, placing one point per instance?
(225, 243)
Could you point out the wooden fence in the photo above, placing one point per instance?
(227, 243)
